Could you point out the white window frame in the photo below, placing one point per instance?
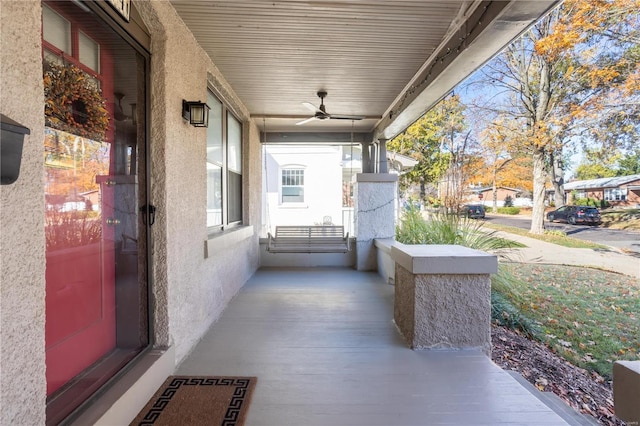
(615, 194)
(300, 171)
(230, 163)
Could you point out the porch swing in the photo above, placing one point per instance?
(308, 239)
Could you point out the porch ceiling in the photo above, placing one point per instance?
(389, 61)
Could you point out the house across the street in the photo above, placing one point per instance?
(484, 195)
(617, 191)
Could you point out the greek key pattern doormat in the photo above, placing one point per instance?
(192, 400)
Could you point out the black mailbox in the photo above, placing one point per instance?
(11, 139)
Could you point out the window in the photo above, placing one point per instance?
(56, 30)
(293, 186)
(88, 52)
(224, 166)
(63, 40)
(615, 194)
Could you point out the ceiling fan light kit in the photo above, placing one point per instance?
(320, 112)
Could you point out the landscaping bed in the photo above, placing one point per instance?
(573, 323)
(585, 392)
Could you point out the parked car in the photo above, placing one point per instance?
(473, 211)
(576, 214)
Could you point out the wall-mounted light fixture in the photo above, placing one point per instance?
(197, 113)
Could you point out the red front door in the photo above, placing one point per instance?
(80, 273)
(97, 316)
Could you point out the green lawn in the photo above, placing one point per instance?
(554, 238)
(591, 317)
(628, 219)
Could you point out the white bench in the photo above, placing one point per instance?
(309, 239)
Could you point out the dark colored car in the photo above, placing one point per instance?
(576, 214)
(473, 211)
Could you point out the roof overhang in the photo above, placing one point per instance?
(388, 62)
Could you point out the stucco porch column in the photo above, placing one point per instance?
(375, 196)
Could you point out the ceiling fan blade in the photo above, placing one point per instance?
(312, 107)
(305, 121)
(346, 117)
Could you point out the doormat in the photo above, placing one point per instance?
(195, 400)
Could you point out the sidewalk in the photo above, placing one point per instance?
(542, 252)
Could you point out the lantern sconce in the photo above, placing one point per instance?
(197, 113)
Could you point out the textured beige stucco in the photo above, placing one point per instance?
(22, 255)
(189, 290)
(404, 303)
(449, 310)
(375, 216)
(626, 390)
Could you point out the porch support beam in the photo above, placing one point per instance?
(382, 156)
(315, 137)
(491, 26)
(366, 157)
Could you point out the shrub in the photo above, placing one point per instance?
(412, 228)
(446, 229)
(503, 311)
(508, 201)
(453, 229)
(594, 202)
(509, 210)
(488, 209)
(555, 232)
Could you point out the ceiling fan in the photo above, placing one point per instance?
(320, 113)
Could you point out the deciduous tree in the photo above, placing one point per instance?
(427, 141)
(560, 81)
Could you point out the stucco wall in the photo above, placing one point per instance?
(22, 256)
(322, 185)
(375, 200)
(442, 311)
(192, 291)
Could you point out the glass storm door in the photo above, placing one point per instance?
(80, 273)
(94, 155)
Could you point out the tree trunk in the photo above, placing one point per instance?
(557, 179)
(539, 178)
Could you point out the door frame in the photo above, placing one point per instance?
(69, 403)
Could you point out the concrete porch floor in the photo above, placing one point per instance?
(324, 347)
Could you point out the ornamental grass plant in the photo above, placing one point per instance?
(442, 228)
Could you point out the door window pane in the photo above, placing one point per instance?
(56, 30)
(89, 52)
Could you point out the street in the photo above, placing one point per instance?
(626, 240)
